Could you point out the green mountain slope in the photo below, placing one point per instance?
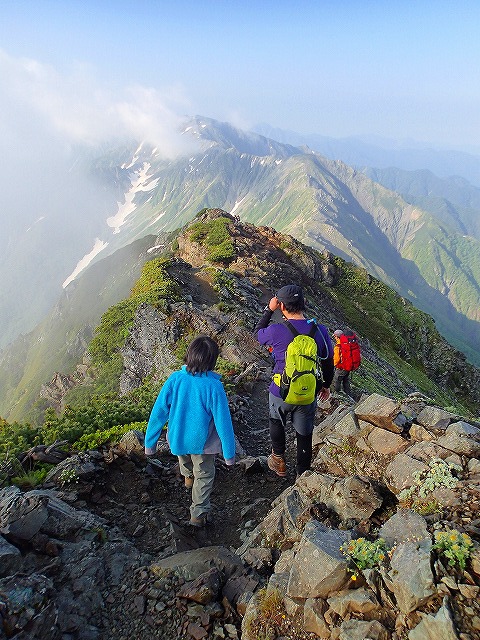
(453, 201)
(323, 203)
(220, 270)
(58, 343)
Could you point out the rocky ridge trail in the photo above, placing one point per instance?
(110, 556)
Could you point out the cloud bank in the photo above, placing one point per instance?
(75, 108)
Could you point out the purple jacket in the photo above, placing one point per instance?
(278, 336)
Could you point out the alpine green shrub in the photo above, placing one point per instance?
(215, 236)
(455, 546)
(154, 287)
(103, 413)
(98, 438)
(224, 252)
(31, 479)
(364, 554)
(17, 437)
(111, 333)
(439, 475)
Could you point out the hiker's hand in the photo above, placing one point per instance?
(324, 394)
(273, 304)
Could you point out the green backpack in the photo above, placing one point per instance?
(301, 378)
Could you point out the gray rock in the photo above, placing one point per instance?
(28, 601)
(294, 505)
(462, 438)
(259, 558)
(363, 630)
(285, 560)
(353, 601)
(21, 516)
(191, 564)
(278, 582)
(411, 576)
(382, 412)
(313, 620)
(399, 473)
(437, 627)
(354, 498)
(329, 424)
(319, 566)
(63, 520)
(417, 432)
(10, 558)
(132, 441)
(347, 426)
(474, 465)
(426, 450)
(406, 526)
(315, 486)
(82, 464)
(385, 442)
(147, 347)
(430, 417)
(204, 589)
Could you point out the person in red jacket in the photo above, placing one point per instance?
(346, 358)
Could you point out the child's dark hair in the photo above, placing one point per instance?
(202, 354)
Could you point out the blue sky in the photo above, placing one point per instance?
(401, 70)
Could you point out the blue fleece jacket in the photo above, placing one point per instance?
(189, 402)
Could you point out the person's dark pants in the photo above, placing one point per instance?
(342, 378)
(302, 417)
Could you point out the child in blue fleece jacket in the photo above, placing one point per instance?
(194, 403)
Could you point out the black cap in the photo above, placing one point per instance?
(291, 295)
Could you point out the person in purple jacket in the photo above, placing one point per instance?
(290, 301)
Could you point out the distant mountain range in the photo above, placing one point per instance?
(371, 151)
(415, 231)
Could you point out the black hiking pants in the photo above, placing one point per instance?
(302, 420)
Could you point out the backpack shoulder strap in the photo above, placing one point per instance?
(292, 329)
(313, 330)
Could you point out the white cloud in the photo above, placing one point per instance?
(76, 109)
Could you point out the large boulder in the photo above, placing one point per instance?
(411, 576)
(10, 558)
(400, 472)
(192, 564)
(406, 526)
(319, 567)
(382, 412)
(461, 438)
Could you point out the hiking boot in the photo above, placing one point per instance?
(201, 521)
(277, 464)
(189, 482)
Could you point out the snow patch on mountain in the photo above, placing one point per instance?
(36, 222)
(140, 181)
(98, 246)
(236, 205)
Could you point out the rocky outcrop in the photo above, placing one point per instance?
(63, 567)
(336, 594)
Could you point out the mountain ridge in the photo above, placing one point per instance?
(235, 267)
(324, 203)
